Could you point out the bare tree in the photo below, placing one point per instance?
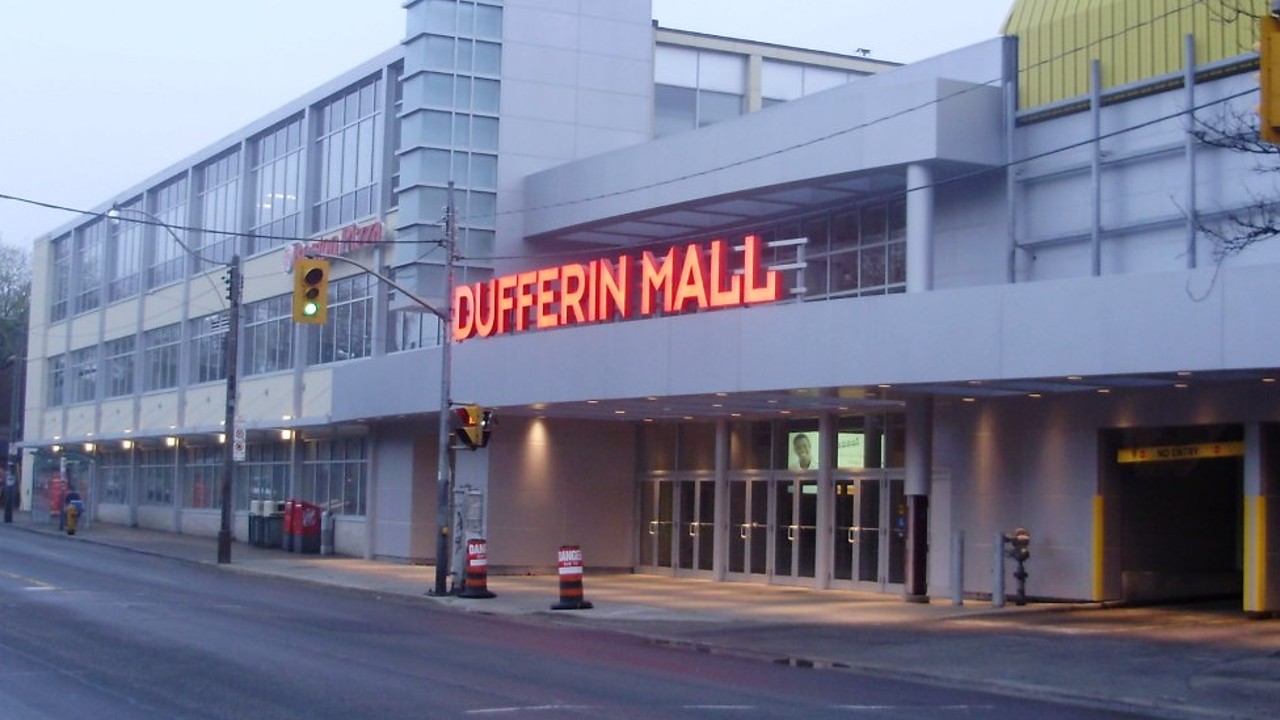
(1258, 219)
(15, 300)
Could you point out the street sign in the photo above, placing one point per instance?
(237, 445)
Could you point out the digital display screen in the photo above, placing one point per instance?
(803, 454)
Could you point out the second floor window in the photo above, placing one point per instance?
(268, 336)
(119, 354)
(161, 347)
(209, 348)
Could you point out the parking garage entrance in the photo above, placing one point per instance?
(1173, 513)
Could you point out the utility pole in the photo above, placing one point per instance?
(15, 425)
(444, 468)
(229, 424)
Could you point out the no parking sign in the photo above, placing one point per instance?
(237, 444)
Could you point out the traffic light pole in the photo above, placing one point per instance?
(444, 466)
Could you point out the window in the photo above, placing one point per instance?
(333, 475)
(782, 81)
(55, 380)
(348, 332)
(167, 255)
(126, 253)
(156, 469)
(268, 336)
(856, 251)
(264, 475)
(209, 348)
(219, 204)
(675, 109)
(83, 368)
(118, 357)
(161, 348)
(413, 329)
(277, 182)
(60, 278)
(113, 478)
(202, 478)
(348, 153)
(87, 264)
(696, 88)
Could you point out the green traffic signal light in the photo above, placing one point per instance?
(310, 290)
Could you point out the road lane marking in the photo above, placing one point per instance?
(39, 584)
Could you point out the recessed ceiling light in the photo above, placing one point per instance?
(1104, 391)
(1074, 377)
(593, 402)
(619, 412)
(1268, 380)
(785, 412)
(720, 394)
(1181, 385)
(1184, 373)
(884, 386)
(969, 399)
(1034, 395)
(735, 414)
(975, 382)
(717, 405)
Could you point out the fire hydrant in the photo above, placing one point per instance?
(73, 514)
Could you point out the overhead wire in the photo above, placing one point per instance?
(1191, 4)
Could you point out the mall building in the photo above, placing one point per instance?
(741, 312)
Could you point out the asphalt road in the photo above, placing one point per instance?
(95, 632)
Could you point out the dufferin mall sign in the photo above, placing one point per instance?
(685, 279)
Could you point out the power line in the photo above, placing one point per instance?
(1191, 4)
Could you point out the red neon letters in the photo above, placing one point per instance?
(683, 280)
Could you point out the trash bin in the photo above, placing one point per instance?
(306, 526)
(255, 523)
(273, 530)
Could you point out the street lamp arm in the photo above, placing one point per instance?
(153, 219)
(444, 318)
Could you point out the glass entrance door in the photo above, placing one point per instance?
(869, 542)
(795, 529)
(657, 516)
(695, 535)
(748, 528)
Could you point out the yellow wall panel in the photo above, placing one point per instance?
(1133, 40)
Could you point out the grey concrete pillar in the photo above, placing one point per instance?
(919, 478)
(919, 228)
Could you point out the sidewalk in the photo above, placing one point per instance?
(1170, 662)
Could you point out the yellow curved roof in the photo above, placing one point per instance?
(1134, 40)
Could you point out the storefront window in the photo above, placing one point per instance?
(750, 445)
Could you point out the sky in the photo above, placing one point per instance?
(98, 95)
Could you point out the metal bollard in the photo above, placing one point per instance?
(326, 533)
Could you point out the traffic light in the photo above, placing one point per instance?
(1020, 545)
(310, 290)
(1269, 77)
(472, 424)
